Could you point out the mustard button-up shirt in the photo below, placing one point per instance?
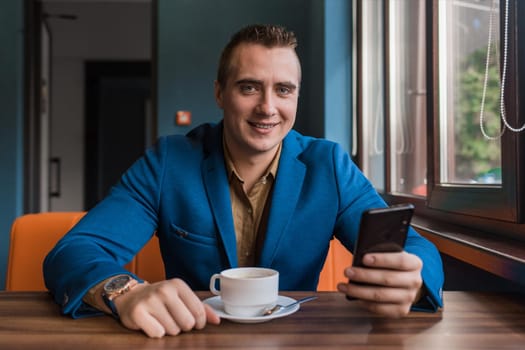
(248, 208)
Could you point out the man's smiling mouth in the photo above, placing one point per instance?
(263, 126)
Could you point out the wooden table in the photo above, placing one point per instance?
(30, 320)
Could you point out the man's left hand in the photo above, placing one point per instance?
(389, 284)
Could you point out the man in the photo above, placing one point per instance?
(247, 191)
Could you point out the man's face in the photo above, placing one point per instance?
(259, 98)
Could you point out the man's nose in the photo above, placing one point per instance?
(266, 104)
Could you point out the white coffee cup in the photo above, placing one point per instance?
(246, 291)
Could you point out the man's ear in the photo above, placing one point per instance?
(218, 93)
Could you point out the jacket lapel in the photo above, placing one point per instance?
(216, 183)
(286, 192)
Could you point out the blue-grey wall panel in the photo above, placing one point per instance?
(338, 72)
(192, 34)
(11, 122)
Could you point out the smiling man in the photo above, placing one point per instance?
(248, 191)
(258, 93)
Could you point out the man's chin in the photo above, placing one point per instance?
(262, 148)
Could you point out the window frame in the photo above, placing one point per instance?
(472, 207)
(474, 200)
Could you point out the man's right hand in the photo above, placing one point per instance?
(164, 308)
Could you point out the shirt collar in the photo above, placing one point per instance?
(230, 167)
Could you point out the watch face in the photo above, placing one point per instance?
(117, 283)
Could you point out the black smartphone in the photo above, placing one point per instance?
(382, 230)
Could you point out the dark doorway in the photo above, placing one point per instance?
(118, 122)
(60, 37)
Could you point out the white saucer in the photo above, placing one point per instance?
(216, 303)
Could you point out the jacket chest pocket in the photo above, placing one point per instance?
(182, 235)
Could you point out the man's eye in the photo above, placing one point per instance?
(248, 89)
(283, 90)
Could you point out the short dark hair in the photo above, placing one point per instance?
(268, 35)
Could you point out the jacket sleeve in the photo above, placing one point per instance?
(432, 272)
(356, 195)
(107, 237)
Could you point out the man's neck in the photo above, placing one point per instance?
(251, 167)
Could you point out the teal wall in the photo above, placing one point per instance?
(192, 34)
(11, 122)
(338, 72)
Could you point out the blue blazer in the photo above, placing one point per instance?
(179, 190)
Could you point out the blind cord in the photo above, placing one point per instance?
(506, 124)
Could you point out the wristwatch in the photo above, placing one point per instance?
(114, 287)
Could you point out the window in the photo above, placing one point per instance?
(406, 110)
(371, 88)
(469, 60)
(430, 78)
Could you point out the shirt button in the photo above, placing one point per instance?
(65, 299)
(182, 234)
(250, 210)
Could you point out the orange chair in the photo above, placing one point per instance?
(34, 235)
(148, 262)
(337, 260)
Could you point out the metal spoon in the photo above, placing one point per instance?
(279, 307)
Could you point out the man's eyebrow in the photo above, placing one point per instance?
(248, 81)
(288, 84)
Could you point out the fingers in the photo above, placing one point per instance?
(385, 277)
(165, 308)
(187, 310)
(191, 311)
(396, 261)
(151, 326)
(378, 293)
(211, 316)
(402, 270)
(140, 316)
(388, 285)
(390, 302)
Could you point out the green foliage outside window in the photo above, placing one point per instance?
(478, 158)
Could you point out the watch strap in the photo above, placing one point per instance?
(111, 305)
(109, 297)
